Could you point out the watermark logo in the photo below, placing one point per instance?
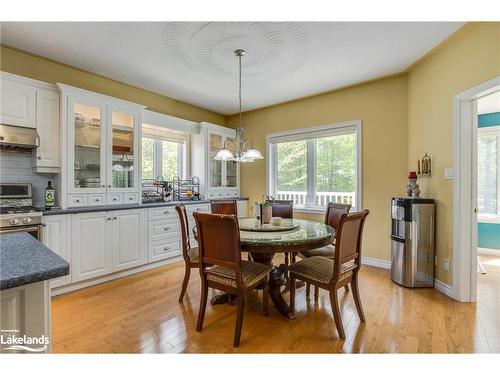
(9, 341)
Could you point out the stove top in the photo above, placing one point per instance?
(19, 210)
(19, 216)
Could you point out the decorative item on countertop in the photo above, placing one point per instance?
(156, 190)
(412, 189)
(49, 196)
(186, 189)
(266, 211)
(426, 167)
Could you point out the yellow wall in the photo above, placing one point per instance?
(382, 106)
(468, 58)
(36, 67)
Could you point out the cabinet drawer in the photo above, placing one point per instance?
(130, 198)
(114, 198)
(96, 199)
(231, 194)
(158, 250)
(161, 229)
(162, 213)
(77, 200)
(215, 194)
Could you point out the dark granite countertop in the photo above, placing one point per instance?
(25, 260)
(115, 207)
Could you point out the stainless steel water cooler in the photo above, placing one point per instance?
(412, 242)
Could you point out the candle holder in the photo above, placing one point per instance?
(425, 172)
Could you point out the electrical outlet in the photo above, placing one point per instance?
(446, 264)
(448, 174)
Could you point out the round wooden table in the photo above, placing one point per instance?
(263, 246)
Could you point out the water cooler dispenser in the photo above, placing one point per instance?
(412, 242)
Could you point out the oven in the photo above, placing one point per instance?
(34, 230)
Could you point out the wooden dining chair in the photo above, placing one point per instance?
(222, 268)
(343, 269)
(224, 206)
(190, 254)
(334, 212)
(283, 209)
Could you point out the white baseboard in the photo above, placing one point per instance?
(443, 288)
(485, 251)
(102, 279)
(380, 263)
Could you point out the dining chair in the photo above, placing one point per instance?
(225, 207)
(334, 212)
(222, 268)
(343, 269)
(283, 209)
(190, 254)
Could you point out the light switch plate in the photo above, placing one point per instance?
(448, 174)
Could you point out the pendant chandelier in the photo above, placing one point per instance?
(242, 154)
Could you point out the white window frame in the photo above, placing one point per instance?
(309, 133)
(488, 132)
(158, 135)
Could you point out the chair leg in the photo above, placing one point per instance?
(292, 292)
(334, 301)
(287, 259)
(357, 299)
(294, 258)
(187, 273)
(230, 299)
(308, 289)
(316, 293)
(203, 305)
(239, 320)
(346, 288)
(265, 299)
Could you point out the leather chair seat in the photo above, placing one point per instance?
(251, 273)
(320, 269)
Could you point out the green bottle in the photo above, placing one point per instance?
(49, 196)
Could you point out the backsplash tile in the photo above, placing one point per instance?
(18, 167)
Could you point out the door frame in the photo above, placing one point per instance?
(465, 189)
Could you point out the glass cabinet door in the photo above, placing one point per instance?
(231, 168)
(88, 136)
(215, 175)
(121, 158)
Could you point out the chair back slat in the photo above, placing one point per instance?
(282, 208)
(348, 239)
(224, 207)
(334, 212)
(181, 211)
(219, 242)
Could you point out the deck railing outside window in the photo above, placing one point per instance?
(321, 198)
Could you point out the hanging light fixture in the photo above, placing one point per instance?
(242, 154)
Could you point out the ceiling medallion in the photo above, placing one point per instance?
(242, 154)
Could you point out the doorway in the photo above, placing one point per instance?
(465, 190)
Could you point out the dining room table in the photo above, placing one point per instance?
(264, 241)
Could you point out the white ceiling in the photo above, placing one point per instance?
(194, 61)
(489, 103)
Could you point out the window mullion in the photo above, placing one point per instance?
(311, 173)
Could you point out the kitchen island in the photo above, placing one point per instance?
(26, 266)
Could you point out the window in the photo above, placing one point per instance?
(163, 153)
(316, 166)
(488, 182)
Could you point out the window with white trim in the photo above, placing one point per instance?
(316, 166)
(164, 153)
(488, 179)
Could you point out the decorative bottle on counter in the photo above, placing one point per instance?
(49, 196)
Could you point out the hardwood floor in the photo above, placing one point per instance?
(141, 314)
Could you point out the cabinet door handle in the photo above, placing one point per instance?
(108, 219)
(109, 186)
(130, 198)
(166, 212)
(77, 200)
(114, 218)
(103, 185)
(114, 199)
(44, 225)
(166, 248)
(166, 228)
(39, 157)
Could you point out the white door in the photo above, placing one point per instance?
(129, 238)
(18, 105)
(56, 236)
(47, 126)
(91, 245)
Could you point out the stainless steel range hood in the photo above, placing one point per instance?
(18, 138)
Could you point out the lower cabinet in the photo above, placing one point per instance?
(56, 235)
(90, 245)
(129, 239)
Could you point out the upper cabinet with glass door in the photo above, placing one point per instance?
(216, 142)
(100, 149)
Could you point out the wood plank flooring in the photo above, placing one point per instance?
(141, 314)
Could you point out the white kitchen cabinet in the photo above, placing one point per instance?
(91, 247)
(129, 238)
(218, 179)
(102, 146)
(56, 235)
(47, 155)
(18, 103)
